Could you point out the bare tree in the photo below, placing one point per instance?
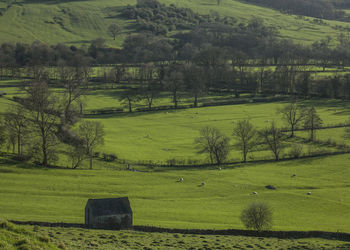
(77, 154)
(258, 216)
(214, 143)
(293, 114)
(150, 86)
(174, 82)
(74, 85)
(193, 77)
(43, 112)
(130, 97)
(245, 134)
(117, 74)
(113, 30)
(16, 124)
(273, 138)
(312, 121)
(92, 136)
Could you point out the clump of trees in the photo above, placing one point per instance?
(160, 19)
(38, 125)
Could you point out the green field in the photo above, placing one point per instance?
(157, 199)
(79, 22)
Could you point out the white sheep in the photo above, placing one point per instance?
(181, 179)
(255, 193)
(308, 193)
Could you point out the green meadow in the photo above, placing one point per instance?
(79, 22)
(158, 199)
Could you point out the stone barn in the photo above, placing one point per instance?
(113, 213)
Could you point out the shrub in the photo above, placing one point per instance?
(257, 216)
(109, 157)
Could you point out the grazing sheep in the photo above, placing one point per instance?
(255, 193)
(308, 193)
(219, 168)
(270, 187)
(203, 183)
(181, 179)
(294, 175)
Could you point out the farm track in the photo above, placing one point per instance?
(234, 232)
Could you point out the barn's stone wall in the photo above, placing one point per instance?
(118, 221)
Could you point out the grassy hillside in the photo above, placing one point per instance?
(79, 22)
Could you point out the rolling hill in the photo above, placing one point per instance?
(79, 22)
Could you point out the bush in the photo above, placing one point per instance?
(257, 216)
(109, 157)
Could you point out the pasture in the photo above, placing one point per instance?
(158, 199)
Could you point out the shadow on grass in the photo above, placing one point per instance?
(330, 103)
(10, 161)
(132, 114)
(51, 2)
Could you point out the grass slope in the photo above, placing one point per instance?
(79, 22)
(16, 237)
(59, 195)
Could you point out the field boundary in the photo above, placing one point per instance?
(235, 232)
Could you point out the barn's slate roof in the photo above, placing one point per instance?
(109, 206)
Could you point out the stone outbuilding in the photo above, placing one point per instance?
(111, 213)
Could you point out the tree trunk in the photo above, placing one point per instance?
(19, 143)
(91, 161)
(175, 100)
(195, 104)
(130, 107)
(44, 163)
